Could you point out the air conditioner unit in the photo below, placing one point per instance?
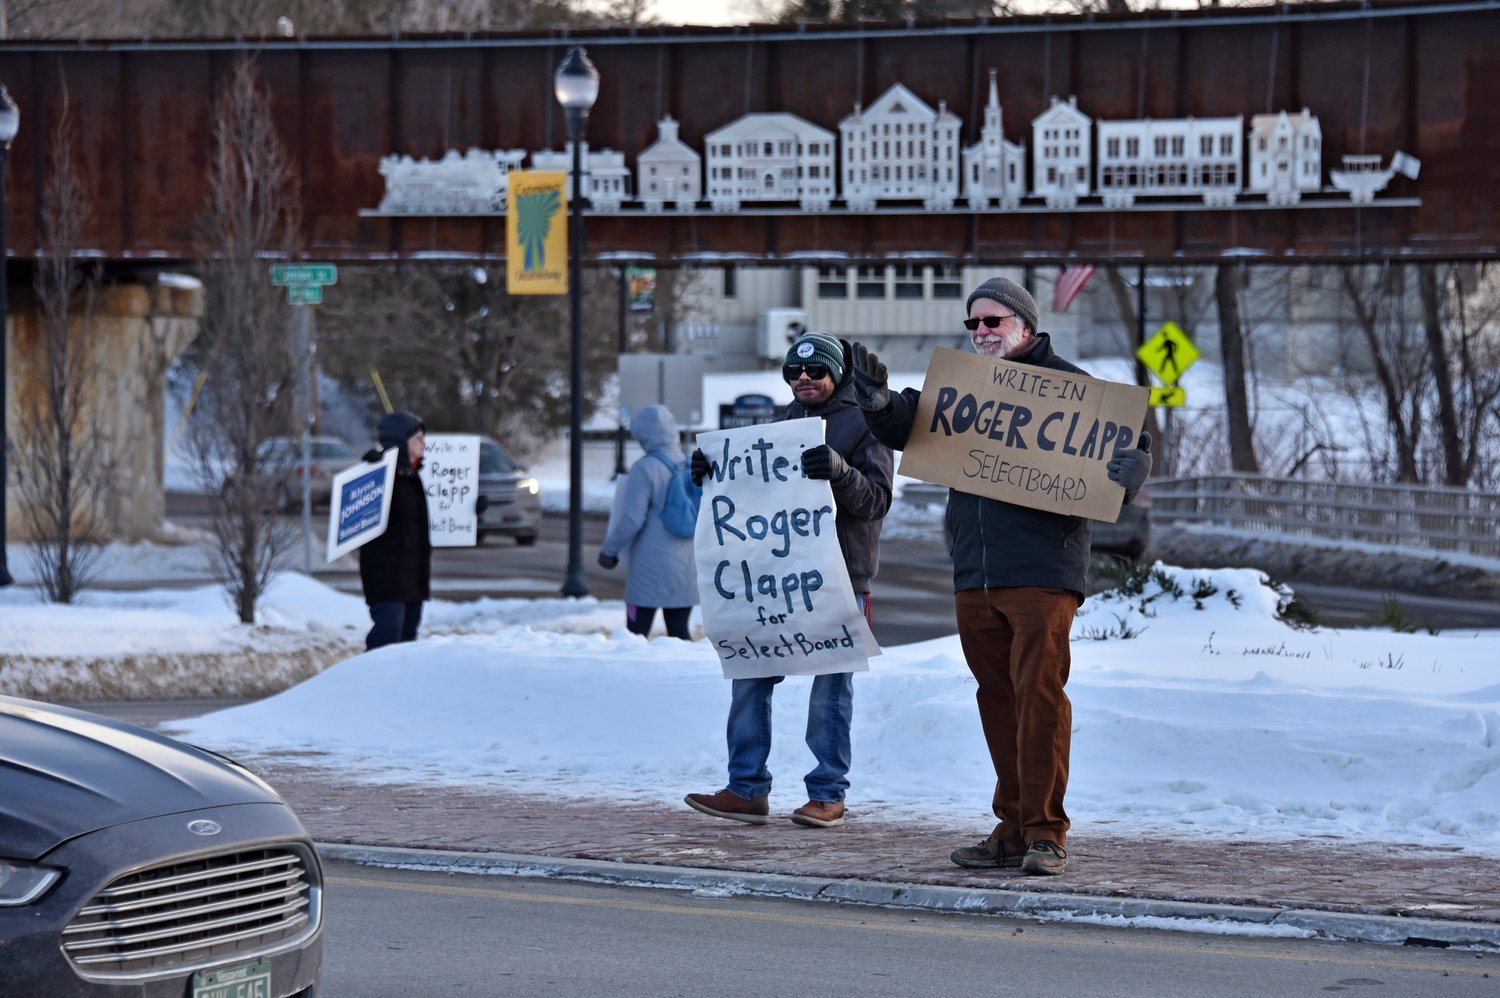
(776, 330)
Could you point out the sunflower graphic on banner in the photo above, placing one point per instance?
(536, 234)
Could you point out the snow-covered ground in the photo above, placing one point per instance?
(1203, 717)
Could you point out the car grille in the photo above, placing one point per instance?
(190, 912)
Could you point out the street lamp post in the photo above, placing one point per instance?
(10, 123)
(577, 87)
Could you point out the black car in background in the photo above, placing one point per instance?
(133, 864)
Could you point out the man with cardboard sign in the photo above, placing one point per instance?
(1031, 449)
(785, 564)
(1001, 429)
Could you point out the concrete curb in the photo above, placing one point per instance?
(1388, 930)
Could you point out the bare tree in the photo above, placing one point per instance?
(63, 475)
(1374, 295)
(1123, 296)
(1227, 292)
(450, 343)
(244, 341)
(1460, 308)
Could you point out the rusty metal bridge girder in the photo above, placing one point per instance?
(141, 117)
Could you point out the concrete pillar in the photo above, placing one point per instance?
(139, 328)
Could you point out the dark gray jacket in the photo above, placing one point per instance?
(862, 495)
(994, 543)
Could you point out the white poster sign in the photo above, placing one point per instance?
(360, 505)
(771, 577)
(450, 477)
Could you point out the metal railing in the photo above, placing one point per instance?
(1413, 517)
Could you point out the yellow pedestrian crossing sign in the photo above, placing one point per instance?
(1168, 353)
(1171, 395)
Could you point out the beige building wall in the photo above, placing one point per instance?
(139, 329)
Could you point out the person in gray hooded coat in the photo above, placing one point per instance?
(660, 573)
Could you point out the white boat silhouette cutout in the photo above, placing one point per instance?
(1363, 177)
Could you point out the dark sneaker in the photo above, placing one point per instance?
(1045, 858)
(820, 813)
(989, 852)
(725, 804)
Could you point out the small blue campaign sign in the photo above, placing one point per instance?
(360, 506)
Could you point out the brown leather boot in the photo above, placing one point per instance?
(726, 804)
(820, 814)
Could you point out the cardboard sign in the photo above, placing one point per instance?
(360, 505)
(771, 576)
(450, 477)
(1027, 435)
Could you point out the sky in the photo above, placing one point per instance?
(702, 11)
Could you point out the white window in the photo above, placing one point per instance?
(869, 282)
(908, 280)
(947, 282)
(833, 282)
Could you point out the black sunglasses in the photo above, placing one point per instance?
(990, 321)
(792, 372)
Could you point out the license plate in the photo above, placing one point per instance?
(248, 980)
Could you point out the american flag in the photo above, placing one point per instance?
(1070, 281)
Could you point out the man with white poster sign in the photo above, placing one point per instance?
(1032, 449)
(785, 563)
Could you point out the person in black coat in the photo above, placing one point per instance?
(395, 568)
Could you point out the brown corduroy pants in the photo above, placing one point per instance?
(1016, 643)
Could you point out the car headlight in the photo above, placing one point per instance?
(529, 485)
(22, 883)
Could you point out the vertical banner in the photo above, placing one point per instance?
(771, 576)
(450, 477)
(536, 233)
(640, 288)
(360, 505)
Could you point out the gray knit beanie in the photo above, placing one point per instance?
(1011, 295)
(818, 348)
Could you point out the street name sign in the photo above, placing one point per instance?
(283, 274)
(304, 294)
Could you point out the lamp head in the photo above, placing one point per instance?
(10, 117)
(577, 81)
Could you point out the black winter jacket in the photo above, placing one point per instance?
(396, 567)
(862, 496)
(994, 543)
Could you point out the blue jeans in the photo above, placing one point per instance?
(830, 710)
(393, 622)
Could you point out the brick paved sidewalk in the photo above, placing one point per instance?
(1323, 874)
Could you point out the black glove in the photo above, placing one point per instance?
(824, 463)
(870, 377)
(700, 468)
(608, 560)
(1131, 467)
(481, 503)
